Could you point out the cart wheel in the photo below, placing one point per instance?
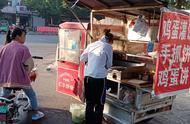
(145, 121)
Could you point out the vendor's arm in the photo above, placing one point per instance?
(84, 55)
(109, 54)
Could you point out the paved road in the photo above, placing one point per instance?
(53, 104)
(50, 39)
(56, 105)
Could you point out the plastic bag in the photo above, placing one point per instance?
(33, 74)
(141, 27)
(127, 95)
(78, 112)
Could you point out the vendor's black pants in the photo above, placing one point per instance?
(95, 99)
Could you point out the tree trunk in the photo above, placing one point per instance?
(51, 20)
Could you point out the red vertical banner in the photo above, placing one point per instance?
(173, 63)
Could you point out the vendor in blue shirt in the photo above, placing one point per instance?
(98, 58)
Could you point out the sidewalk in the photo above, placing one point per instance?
(55, 116)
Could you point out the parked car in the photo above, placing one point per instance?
(4, 26)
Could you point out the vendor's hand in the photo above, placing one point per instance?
(32, 76)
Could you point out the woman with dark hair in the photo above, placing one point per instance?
(8, 37)
(98, 56)
(15, 68)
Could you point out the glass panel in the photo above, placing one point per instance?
(69, 45)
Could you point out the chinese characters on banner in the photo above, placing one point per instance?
(67, 80)
(173, 64)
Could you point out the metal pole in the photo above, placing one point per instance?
(91, 24)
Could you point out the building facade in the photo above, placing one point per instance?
(16, 13)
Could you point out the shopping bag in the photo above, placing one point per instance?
(141, 27)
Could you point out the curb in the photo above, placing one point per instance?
(41, 33)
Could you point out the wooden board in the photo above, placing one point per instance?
(137, 83)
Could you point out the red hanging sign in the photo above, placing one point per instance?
(173, 63)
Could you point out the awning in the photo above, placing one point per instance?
(122, 8)
(8, 9)
(73, 25)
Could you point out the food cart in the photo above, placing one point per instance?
(151, 57)
(72, 41)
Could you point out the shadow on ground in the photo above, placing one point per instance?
(54, 116)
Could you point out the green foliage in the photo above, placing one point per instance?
(55, 10)
(47, 8)
(179, 4)
(81, 12)
(3, 3)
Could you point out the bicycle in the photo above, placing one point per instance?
(13, 107)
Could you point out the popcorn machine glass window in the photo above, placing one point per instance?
(69, 45)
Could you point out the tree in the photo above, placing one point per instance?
(48, 9)
(179, 4)
(54, 10)
(81, 12)
(3, 3)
